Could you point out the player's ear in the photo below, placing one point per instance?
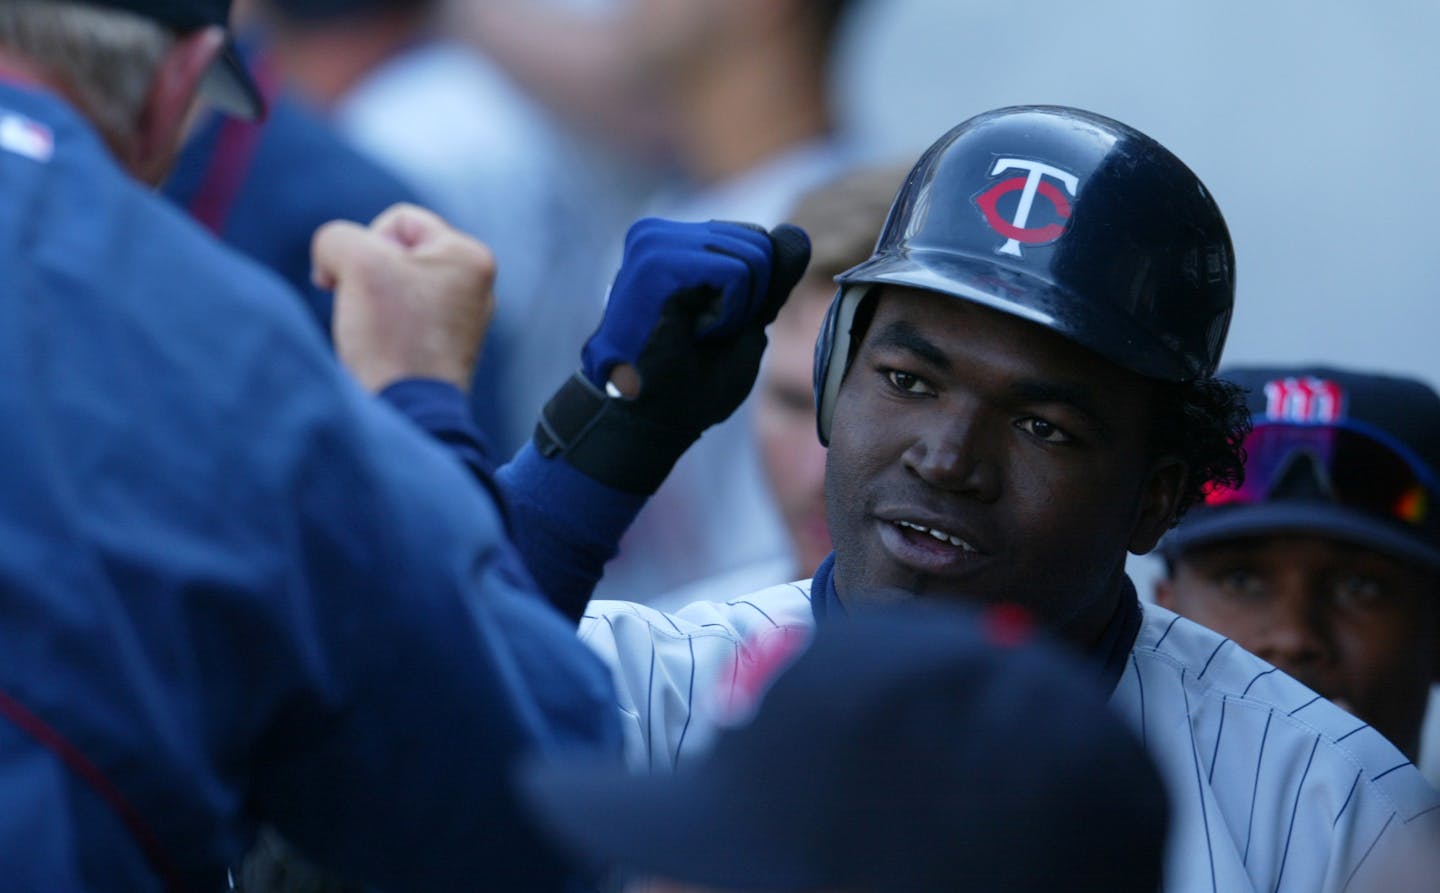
(1159, 498)
(170, 101)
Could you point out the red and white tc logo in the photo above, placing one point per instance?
(1015, 230)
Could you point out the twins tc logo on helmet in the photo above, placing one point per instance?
(1035, 181)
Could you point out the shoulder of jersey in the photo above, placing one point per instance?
(1217, 671)
(739, 619)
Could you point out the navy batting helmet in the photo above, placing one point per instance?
(1062, 217)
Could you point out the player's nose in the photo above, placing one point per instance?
(1293, 631)
(954, 453)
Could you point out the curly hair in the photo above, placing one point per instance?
(1204, 422)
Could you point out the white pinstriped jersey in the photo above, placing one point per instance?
(668, 668)
(1273, 788)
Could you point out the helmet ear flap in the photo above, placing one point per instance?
(835, 350)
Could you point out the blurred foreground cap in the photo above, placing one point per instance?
(911, 750)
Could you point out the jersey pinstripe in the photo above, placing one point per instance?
(671, 668)
(1273, 788)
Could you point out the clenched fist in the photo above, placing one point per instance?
(413, 296)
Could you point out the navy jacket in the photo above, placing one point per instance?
(234, 587)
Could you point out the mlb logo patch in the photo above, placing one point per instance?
(25, 137)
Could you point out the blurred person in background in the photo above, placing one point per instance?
(746, 85)
(479, 151)
(1326, 560)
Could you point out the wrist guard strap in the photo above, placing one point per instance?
(606, 439)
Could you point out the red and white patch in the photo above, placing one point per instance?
(757, 665)
(26, 137)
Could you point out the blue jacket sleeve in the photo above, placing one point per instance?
(440, 410)
(565, 525)
(433, 668)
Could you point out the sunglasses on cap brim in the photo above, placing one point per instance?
(1353, 466)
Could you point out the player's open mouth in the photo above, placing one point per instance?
(931, 541)
(930, 550)
(938, 535)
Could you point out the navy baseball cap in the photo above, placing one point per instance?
(1333, 452)
(913, 751)
(228, 84)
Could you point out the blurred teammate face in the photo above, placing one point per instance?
(666, 37)
(977, 456)
(1357, 626)
(791, 452)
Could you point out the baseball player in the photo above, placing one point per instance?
(1326, 561)
(1016, 390)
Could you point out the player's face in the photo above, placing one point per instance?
(1357, 626)
(974, 455)
(785, 423)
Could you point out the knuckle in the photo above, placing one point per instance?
(479, 261)
(325, 234)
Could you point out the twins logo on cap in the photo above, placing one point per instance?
(1304, 400)
(1017, 230)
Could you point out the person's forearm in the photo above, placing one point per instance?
(439, 409)
(565, 525)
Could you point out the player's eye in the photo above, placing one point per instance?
(1241, 582)
(1043, 430)
(1358, 591)
(907, 382)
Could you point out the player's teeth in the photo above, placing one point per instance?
(939, 535)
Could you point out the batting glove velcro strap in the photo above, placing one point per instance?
(606, 439)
